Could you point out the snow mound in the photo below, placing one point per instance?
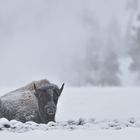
(19, 127)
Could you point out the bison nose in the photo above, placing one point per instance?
(51, 111)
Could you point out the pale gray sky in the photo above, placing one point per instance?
(38, 38)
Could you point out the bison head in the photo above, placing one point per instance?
(47, 98)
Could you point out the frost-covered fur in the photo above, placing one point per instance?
(30, 87)
(22, 104)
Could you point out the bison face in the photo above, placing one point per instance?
(47, 98)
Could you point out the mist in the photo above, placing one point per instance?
(52, 39)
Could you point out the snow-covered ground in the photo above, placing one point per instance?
(99, 103)
(86, 112)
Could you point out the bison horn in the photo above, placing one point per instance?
(34, 87)
(61, 89)
(35, 93)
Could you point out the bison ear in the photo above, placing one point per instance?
(62, 87)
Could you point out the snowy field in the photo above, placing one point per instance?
(86, 112)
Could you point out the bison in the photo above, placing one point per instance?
(36, 102)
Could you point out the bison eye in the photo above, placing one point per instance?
(55, 98)
(56, 91)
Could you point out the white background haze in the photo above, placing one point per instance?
(47, 38)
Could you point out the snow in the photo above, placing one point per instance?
(99, 103)
(127, 134)
(85, 112)
(71, 125)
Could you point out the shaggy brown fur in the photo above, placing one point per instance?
(39, 84)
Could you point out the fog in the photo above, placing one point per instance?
(49, 39)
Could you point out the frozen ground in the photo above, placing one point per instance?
(86, 112)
